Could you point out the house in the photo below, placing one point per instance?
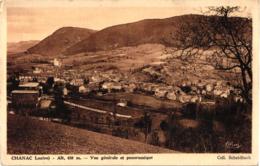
(37, 70)
(149, 87)
(151, 71)
(160, 92)
(203, 92)
(42, 79)
(185, 98)
(96, 78)
(107, 86)
(25, 78)
(65, 91)
(171, 96)
(238, 99)
(112, 86)
(77, 82)
(122, 103)
(29, 86)
(116, 86)
(83, 89)
(196, 99)
(209, 87)
(217, 92)
(56, 62)
(93, 86)
(129, 87)
(45, 104)
(201, 85)
(225, 93)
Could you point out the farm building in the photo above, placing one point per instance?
(29, 86)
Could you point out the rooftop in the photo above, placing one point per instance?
(24, 91)
(29, 84)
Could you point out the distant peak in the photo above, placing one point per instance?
(73, 28)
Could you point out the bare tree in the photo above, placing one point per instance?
(226, 37)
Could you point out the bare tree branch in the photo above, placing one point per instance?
(230, 37)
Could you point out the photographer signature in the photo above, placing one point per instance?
(232, 145)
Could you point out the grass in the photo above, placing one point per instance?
(32, 136)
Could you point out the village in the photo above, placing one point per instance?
(111, 103)
(128, 80)
(83, 82)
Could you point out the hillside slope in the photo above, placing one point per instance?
(132, 34)
(72, 40)
(41, 137)
(60, 40)
(20, 46)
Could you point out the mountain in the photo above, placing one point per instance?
(20, 46)
(132, 34)
(71, 40)
(60, 40)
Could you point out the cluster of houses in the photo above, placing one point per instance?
(113, 82)
(183, 93)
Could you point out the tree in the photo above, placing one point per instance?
(86, 81)
(14, 81)
(48, 85)
(61, 110)
(147, 123)
(227, 38)
(50, 82)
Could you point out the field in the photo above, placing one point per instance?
(32, 136)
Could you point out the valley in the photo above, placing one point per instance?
(131, 81)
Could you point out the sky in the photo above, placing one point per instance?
(32, 20)
(37, 23)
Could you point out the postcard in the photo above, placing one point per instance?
(121, 82)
